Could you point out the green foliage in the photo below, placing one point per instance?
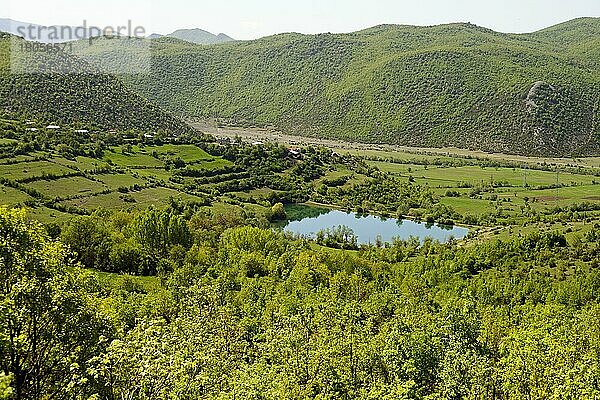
(278, 212)
(6, 391)
(245, 312)
(339, 237)
(271, 319)
(49, 327)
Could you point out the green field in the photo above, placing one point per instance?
(188, 153)
(157, 196)
(133, 200)
(563, 196)
(7, 142)
(20, 158)
(113, 200)
(478, 187)
(82, 164)
(449, 176)
(11, 196)
(132, 160)
(211, 164)
(68, 187)
(119, 180)
(145, 176)
(34, 169)
(47, 215)
(469, 206)
(160, 174)
(396, 168)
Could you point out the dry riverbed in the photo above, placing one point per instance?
(383, 150)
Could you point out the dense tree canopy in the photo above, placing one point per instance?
(243, 312)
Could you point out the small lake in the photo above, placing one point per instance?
(307, 221)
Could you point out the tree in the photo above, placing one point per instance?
(278, 212)
(158, 230)
(48, 329)
(90, 239)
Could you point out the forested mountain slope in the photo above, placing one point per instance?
(456, 84)
(60, 88)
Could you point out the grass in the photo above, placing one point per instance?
(213, 164)
(340, 172)
(160, 174)
(477, 175)
(260, 193)
(468, 206)
(133, 200)
(571, 230)
(11, 197)
(47, 215)
(112, 200)
(396, 168)
(31, 170)
(159, 195)
(563, 196)
(21, 158)
(118, 180)
(532, 178)
(508, 182)
(68, 187)
(140, 168)
(8, 142)
(188, 153)
(407, 155)
(83, 164)
(131, 160)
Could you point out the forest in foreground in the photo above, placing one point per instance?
(224, 309)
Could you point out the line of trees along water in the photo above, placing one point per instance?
(239, 311)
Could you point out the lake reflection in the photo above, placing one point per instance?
(307, 221)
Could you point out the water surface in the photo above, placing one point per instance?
(307, 221)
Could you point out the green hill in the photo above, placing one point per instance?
(450, 85)
(60, 88)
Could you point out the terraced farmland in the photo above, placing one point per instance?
(55, 187)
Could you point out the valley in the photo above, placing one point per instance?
(252, 135)
(401, 212)
(135, 172)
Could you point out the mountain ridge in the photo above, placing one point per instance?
(14, 27)
(44, 33)
(200, 36)
(455, 85)
(195, 35)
